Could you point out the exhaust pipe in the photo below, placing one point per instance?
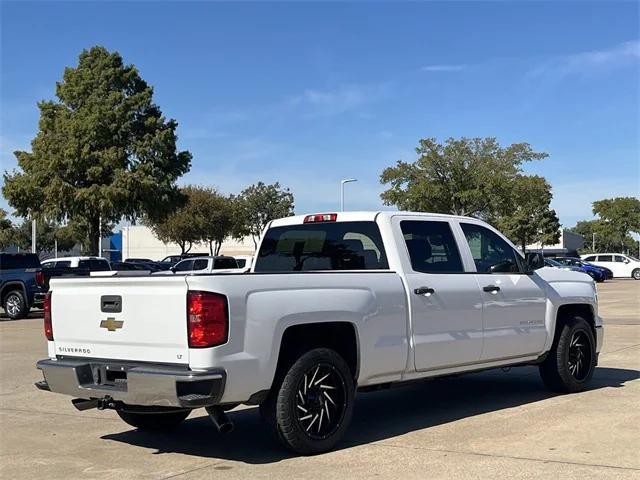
(84, 404)
(220, 419)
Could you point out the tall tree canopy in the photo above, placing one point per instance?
(48, 235)
(182, 225)
(6, 230)
(618, 218)
(529, 217)
(462, 176)
(103, 151)
(621, 215)
(257, 205)
(215, 215)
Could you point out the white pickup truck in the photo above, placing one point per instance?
(333, 303)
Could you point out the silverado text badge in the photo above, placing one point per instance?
(111, 324)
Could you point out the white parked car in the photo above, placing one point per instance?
(93, 264)
(220, 264)
(333, 302)
(621, 265)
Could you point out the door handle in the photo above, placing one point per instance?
(426, 291)
(491, 289)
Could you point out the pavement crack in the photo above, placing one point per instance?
(196, 469)
(494, 455)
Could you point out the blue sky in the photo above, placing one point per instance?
(309, 93)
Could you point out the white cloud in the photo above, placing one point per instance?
(594, 61)
(336, 101)
(444, 68)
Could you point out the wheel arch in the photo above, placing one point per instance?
(10, 287)
(569, 310)
(341, 336)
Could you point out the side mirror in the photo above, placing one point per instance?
(533, 261)
(173, 269)
(626, 260)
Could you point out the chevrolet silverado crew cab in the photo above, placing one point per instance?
(333, 303)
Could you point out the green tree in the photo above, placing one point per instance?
(47, 234)
(257, 205)
(462, 176)
(549, 232)
(215, 215)
(621, 215)
(183, 225)
(104, 151)
(597, 233)
(528, 217)
(7, 231)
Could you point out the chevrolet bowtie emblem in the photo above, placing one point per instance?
(111, 324)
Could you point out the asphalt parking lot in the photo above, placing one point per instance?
(493, 424)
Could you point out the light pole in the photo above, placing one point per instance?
(593, 241)
(342, 183)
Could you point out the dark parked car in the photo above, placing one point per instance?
(597, 273)
(127, 266)
(21, 283)
(171, 260)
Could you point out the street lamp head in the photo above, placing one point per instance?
(348, 180)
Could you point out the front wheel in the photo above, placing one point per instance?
(163, 421)
(636, 274)
(311, 408)
(571, 362)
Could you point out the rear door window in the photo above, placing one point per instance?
(99, 265)
(184, 266)
(605, 258)
(431, 246)
(200, 264)
(322, 246)
(225, 263)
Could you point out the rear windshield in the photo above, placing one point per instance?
(10, 261)
(322, 246)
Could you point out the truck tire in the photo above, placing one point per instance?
(310, 407)
(571, 362)
(15, 305)
(164, 421)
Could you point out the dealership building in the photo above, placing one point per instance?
(139, 241)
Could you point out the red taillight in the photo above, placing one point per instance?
(207, 319)
(40, 278)
(321, 217)
(48, 326)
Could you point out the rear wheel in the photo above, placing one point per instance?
(310, 409)
(636, 274)
(161, 421)
(15, 305)
(571, 362)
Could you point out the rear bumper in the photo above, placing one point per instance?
(132, 384)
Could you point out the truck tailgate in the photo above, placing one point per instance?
(136, 318)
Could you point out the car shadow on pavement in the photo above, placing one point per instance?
(378, 415)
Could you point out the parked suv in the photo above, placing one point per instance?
(624, 266)
(21, 281)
